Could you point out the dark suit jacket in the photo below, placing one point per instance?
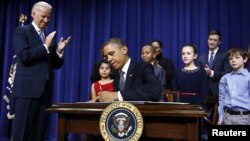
(141, 83)
(168, 66)
(220, 67)
(34, 64)
(160, 74)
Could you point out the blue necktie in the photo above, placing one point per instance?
(121, 81)
(41, 34)
(211, 60)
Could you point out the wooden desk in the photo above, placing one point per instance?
(161, 120)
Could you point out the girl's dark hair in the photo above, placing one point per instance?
(193, 46)
(95, 76)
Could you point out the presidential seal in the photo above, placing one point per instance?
(121, 121)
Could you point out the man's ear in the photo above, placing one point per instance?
(219, 42)
(32, 14)
(124, 49)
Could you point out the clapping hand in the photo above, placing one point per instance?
(62, 44)
(49, 38)
(208, 70)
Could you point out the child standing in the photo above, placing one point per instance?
(234, 91)
(191, 80)
(148, 54)
(104, 82)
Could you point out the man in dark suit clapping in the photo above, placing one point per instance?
(37, 54)
(140, 83)
(215, 62)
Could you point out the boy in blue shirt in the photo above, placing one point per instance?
(234, 91)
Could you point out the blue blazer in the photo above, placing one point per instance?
(34, 64)
(141, 83)
(220, 67)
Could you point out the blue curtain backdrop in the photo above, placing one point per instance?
(92, 22)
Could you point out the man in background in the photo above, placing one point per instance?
(215, 62)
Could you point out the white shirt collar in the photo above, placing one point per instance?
(38, 30)
(215, 51)
(125, 67)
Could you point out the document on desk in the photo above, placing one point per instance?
(90, 102)
(176, 103)
(132, 102)
(136, 102)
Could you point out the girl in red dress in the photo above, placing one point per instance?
(105, 81)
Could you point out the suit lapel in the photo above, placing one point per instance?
(116, 80)
(216, 58)
(35, 34)
(206, 59)
(131, 72)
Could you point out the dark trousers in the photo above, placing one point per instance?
(30, 120)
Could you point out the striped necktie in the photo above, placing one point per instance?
(42, 36)
(211, 60)
(121, 81)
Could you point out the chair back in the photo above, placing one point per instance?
(211, 107)
(172, 96)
